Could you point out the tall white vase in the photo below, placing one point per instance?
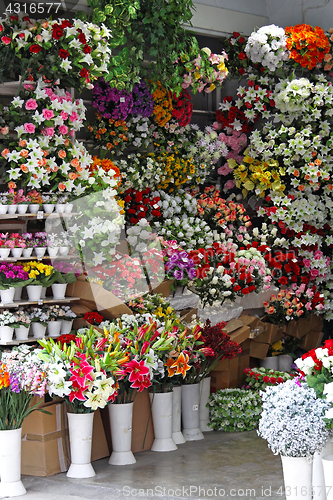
(10, 464)
(177, 434)
(80, 427)
(297, 475)
(190, 412)
(203, 409)
(318, 479)
(162, 421)
(121, 433)
(328, 474)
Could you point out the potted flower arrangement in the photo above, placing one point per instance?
(17, 244)
(41, 275)
(56, 315)
(21, 201)
(53, 244)
(5, 246)
(39, 317)
(292, 422)
(49, 202)
(22, 324)
(29, 244)
(39, 240)
(78, 372)
(35, 200)
(7, 325)
(17, 391)
(61, 279)
(67, 320)
(12, 276)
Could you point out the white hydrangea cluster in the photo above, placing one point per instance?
(268, 47)
(292, 419)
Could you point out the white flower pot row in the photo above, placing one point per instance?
(38, 331)
(35, 293)
(38, 252)
(33, 208)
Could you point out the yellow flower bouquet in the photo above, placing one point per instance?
(40, 273)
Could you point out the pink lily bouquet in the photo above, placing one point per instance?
(83, 372)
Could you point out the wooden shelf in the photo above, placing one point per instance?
(47, 300)
(34, 257)
(53, 215)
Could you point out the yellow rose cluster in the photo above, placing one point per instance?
(259, 176)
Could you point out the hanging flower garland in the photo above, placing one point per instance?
(307, 45)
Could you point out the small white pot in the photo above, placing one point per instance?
(66, 326)
(38, 330)
(27, 252)
(12, 209)
(63, 250)
(33, 208)
(80, 427)
(3, 209)
(68, 208)
(7, 296)
(48, 208)
(272, 363)
(4, 253)
(22, 209)
(285, 361)
(17, 252)
(297, 475)
(52, 251)
(34, 292)
(6, 333)
(190, 412)
(43, 294)
(22, 332)
(59, 290)
(40, 251)
(18, 293)
(177, 435)
(121, 434)
(10, 464)
(203, 409)
(162, 421)
(54, 328)
(60, 208)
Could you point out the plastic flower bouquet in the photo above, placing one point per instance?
(13, 275)
(39, 273)
(258, 379)
(7, 319)
(78, 50)
(268, 47)
(292, 420)
(307, 45)
(22, 318)
(39, 315)
(82, 372)
(22, 376)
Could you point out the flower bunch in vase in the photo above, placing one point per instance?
(41, 275)
(12, 276)
(7, 325)
(22, 324)
(67, 320)
(39, 317)
(55, 314)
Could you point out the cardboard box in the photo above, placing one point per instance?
(187, 314)
(233, 325)
(271, 334)
(221, 379)
(256, 350)
(256, 325)
(45, 442)
(311, 340)
(164, 288)
(240, 335)
(96, 298)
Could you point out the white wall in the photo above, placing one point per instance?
(290, 12)
(255, 7)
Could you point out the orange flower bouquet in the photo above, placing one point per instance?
(308, 46)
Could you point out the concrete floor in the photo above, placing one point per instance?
(234, 465)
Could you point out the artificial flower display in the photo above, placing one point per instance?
(14, 275)
(307, 45)
(206, 72)
(259, 378)
(268, 46)
(293, 304)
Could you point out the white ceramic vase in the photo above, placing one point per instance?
(3, 209)
(63, 250)
(34, 292)
(272, 363)
(161, 408)
(6, 333)
(33, 208)
(297, 476)
(285, 361)
(52, 251)
(177, 434)
(66, 326)
(12, 209)
(318, 479)
(203, 409)
(38, 330)
(22, 332)
(7, 296)
(27, 252)
(190, 412)
(60, 208)
(18, 293)
(121, 434)
(10, 464)
(80, 427)
(48, 208)
(40, 251)
(59, 290)
(54, 328)
(68, 208)
(22, 209)
(17, 252)
(4, 253)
